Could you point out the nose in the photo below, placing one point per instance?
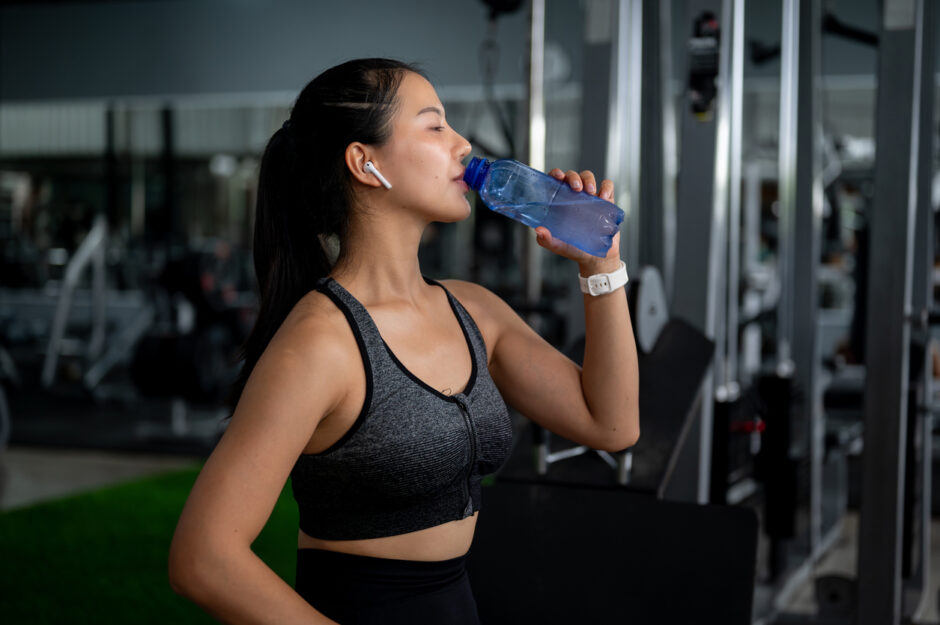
(463, 147)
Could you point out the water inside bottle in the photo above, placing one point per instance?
(578, 223)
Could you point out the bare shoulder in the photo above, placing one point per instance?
(479, 301)
(490, 312)
(314, 350)
(315, 328)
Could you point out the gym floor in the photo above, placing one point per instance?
(30, 475)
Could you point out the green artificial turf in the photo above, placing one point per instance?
(101, 557)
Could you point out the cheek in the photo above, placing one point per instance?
(419, 165)
(420, 174)
(427, 156)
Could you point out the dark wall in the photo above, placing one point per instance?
(158, 47)
(104, 49)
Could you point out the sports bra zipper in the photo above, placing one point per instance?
(471, 434)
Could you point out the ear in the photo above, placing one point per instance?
(357, 154)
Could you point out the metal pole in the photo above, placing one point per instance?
(889, 300)
(727, 390)
(750, 364)
(807, 212)
(921, 303)
(670, 159)
(789, 85)
(656, 165)
(698, 291)
(613, 90)
(99, 294)
(732, 389)
(532, 259)
(629, 45)
(623, 126)
(92, 247)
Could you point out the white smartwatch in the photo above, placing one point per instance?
(601, 283)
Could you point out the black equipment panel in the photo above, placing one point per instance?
(555, 554)
(671, 377)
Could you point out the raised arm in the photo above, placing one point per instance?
(297, 381)
(596, 405)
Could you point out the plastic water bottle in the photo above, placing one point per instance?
(517, 191)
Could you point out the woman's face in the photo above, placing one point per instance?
(422, 158)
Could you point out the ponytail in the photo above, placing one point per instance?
(305, 191)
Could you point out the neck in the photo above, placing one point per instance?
(380, 257)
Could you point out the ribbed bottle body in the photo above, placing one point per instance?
(535, 199)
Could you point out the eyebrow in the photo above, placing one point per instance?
(430, 109)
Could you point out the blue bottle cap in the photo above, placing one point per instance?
(476, 172)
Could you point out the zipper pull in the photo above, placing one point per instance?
(468, 511)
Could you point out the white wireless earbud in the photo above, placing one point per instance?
(369, 167)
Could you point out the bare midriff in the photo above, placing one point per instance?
(441, 542)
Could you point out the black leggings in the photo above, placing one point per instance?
(361, 590)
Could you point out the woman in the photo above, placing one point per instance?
(381, 392)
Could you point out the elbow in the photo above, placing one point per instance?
(180, 572)
(634, 437)
(631, 439)
(185, 571)
(621, 441)
(624, 436)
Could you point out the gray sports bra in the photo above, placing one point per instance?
(414, 457)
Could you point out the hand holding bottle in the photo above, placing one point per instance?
(575, 214)
(588, 264)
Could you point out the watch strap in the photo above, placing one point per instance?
(602, 283)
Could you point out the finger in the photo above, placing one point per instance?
(544, 238)
(574, 180)
(590, 183)
(557, 173)
(607, 190)
(614, 251)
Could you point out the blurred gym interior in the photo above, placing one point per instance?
(777, 164)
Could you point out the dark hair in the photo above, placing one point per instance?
(305, 190)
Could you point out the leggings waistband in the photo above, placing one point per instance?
(365, 590)
(381, 569)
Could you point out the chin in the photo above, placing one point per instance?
(458, 213)
(464, 215)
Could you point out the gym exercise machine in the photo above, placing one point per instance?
(893, 539)
(675, 356)
(898, 265)
(152, 356)
(790, 430)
